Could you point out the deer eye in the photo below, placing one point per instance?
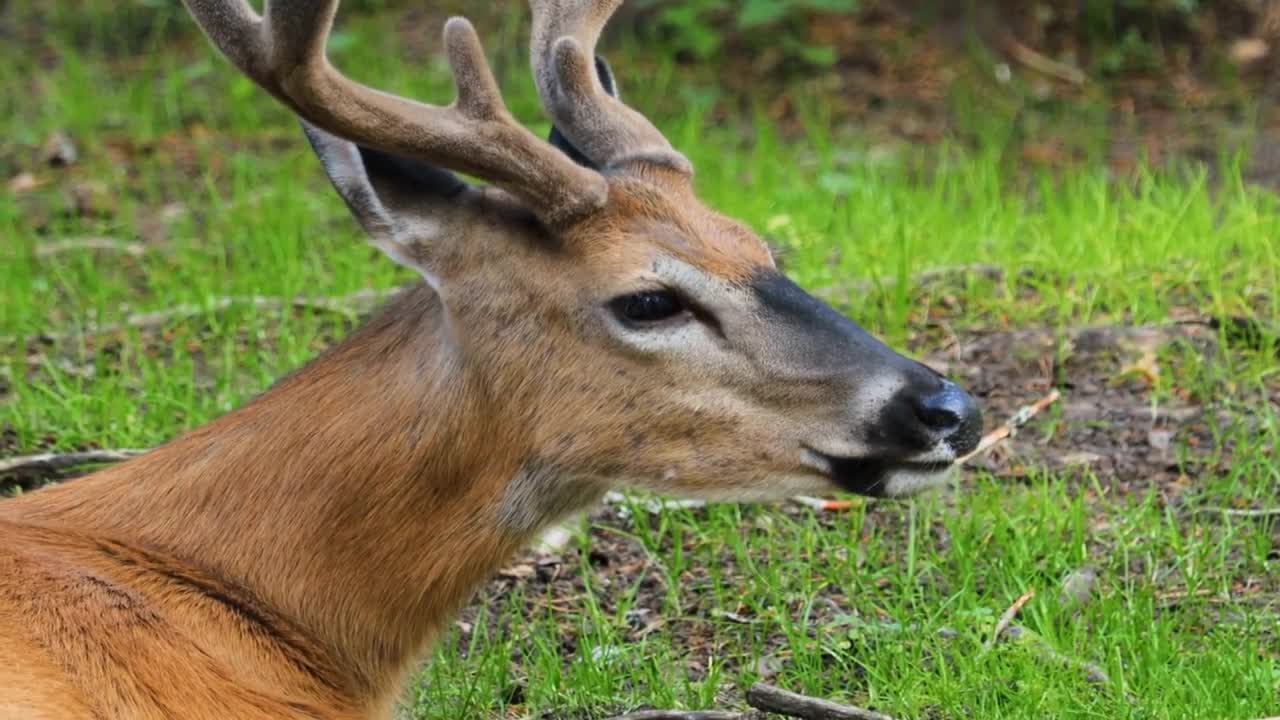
(650, 306)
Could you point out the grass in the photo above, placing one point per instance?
(890, 605)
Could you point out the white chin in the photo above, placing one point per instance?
(905, 483)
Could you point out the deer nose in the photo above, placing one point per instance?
(952, 415)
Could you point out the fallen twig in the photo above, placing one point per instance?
(822, 504)
(1044, 65)
(58, 461)
(784, 702)
(1010, 426)
(1003, 623)
(680, 715)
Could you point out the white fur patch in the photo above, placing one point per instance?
(905, 483)
(539, 495)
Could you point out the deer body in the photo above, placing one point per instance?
(253, 567)
(584, 323)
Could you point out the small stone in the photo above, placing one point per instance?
(768, 667)
(58, 150)
(1159, 439)
(1078, 585)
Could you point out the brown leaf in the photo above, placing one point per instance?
(1247, 51)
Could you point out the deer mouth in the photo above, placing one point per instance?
(882, 477)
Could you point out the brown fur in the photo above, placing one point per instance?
(291, 559)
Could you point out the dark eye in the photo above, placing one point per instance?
(649, 306)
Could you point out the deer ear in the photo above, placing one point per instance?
(393, 198)
(557, 139)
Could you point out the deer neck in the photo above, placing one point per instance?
(359, 497)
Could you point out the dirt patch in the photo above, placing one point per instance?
(1136, 411)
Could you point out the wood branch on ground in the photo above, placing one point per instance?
(1010, 426)
(768, 698)
(1033, 60)
(59, 461)
(823, 504)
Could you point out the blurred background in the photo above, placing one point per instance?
(1052, 74)
(1030, 196)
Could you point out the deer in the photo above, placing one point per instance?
(582, 323)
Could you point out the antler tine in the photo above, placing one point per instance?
(476, 135)
(604, 129)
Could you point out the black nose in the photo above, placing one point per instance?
(952, 415)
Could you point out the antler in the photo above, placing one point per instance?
(604, 129)
(284, 52)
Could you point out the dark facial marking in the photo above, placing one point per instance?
(825, 339)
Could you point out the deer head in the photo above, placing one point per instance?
(624, 334)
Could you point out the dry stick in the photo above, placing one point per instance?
(680, 715)
(57, 461)
(1044, 65)
(1010, 426)
(1003, 623)
(784, 702)
(823, 504)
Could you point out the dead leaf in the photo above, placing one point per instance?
(1146, 367)
(1247, 51)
